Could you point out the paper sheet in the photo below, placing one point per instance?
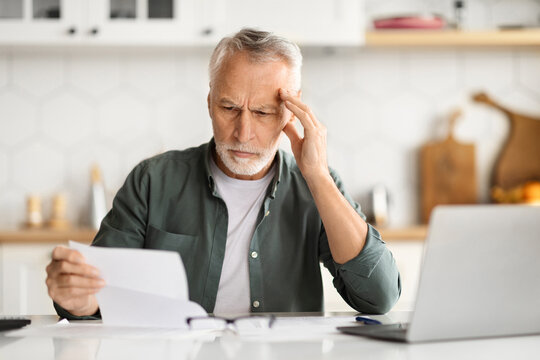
(302, 328)
(145, 288)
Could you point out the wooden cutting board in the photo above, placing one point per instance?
(448, 172)
(519, 159)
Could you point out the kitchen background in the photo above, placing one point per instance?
(63, 109)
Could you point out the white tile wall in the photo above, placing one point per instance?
(37, 73)
(3, 170)
(153, 84)
(3, 70)
(13, 105)
(529, 77)
(63, 109)
(38, 167)
(94, 74)
(67, 118)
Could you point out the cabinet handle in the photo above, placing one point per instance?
(207, 31)
(72, 30)
(94, 31)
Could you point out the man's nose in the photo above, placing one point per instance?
(243, 127)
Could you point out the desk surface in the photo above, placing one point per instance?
(334, 346)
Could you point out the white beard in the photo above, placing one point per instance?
(242, 166)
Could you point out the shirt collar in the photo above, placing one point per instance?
(212, 184)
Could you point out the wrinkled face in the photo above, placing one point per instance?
(247, 115)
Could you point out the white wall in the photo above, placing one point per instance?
(61, 110)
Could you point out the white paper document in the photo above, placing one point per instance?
(145, 288)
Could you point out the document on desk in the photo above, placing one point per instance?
(145, 288)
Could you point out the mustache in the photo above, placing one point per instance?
(240, 147)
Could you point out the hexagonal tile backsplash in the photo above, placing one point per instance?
(62, 110)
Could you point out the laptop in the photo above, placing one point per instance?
(479, 278)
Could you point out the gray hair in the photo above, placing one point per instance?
(261, 47)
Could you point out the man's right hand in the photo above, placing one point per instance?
(72, 283)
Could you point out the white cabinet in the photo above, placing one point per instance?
(23, 275)
(153, 22)
(176, 22)
(35, 21)
(307, 22)
(118, 22)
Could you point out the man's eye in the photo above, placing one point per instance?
(228, 108)
(262, 113)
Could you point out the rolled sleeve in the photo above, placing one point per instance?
(64, 314)
(370, 282)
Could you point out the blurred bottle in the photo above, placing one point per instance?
(58, 219)
(380, 205)
(459, 14)
(34, 214)
(98, 207)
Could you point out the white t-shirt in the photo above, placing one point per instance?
(244, 199)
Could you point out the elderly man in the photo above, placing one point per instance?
(251, 222)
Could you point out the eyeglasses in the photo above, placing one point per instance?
(240, 325)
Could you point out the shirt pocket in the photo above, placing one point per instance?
(163, 240)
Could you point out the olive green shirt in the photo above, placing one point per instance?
(170, 202)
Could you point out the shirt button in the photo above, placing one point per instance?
(256, 304)
(267, 213)
(254, 254)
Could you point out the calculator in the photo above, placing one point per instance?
(13, 322)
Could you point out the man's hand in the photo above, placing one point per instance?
(346, 230)
(72, 283)
(309, 151)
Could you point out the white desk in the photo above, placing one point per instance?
(336, 346)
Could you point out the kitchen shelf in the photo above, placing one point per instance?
(441, 38)
(29, 236)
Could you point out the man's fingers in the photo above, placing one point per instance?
(76, 281)
(286, 95)
(299, 109)
(304, 118)
(67, 254)
(70, 294)
(292, 133)
(64, 267)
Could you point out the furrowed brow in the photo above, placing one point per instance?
(266, 108)
(227, 101)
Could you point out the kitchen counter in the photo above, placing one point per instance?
(85, 235)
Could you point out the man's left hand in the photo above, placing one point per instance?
(310, 150)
